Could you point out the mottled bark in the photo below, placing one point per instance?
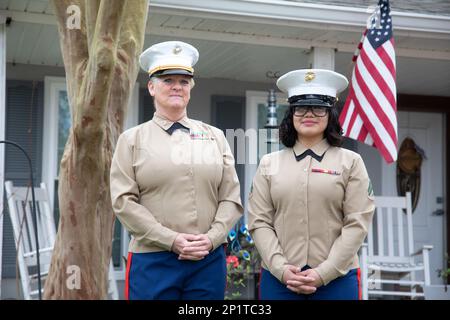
(101, 62)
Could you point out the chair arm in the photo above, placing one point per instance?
(426, 262)
(420, 251)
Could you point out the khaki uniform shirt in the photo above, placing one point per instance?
(309, 212)
(162, 184)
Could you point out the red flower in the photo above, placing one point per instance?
(233, 260)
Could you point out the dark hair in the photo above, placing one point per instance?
(333, 131)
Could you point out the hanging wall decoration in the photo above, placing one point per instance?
(409, 165)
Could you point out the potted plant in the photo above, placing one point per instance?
(243, 264)
(444, 273)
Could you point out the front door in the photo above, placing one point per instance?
(426, 129)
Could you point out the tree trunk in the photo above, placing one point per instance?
(101, 62)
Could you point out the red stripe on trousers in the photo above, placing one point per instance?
(359, 284)
(127, 276)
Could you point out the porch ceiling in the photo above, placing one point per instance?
(239, 48)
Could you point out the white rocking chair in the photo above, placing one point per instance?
(20, 211)
(390, 260)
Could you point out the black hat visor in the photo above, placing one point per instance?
(171, 71)
(312, 100)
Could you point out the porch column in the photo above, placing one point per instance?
(2, 130)
(322, 58)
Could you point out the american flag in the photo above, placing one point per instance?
(370, 111)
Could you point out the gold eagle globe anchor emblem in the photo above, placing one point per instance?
(177, 50)
(310, 76)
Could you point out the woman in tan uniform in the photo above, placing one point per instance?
(174, 187)
(311, 203)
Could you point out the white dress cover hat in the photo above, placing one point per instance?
(170, 57)
(312, 86)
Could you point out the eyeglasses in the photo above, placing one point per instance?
(317, 111)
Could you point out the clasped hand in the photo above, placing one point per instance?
(301, 282)
(191, 246)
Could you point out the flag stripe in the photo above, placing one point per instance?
(376, 138)
(351, 121)
(366, 108)
(346, 113)
(383, 90)
(389, 47)
(356, 127)
(362, 133)
(388, 61)
(376, 128)
(376, 99)
(355, 123)
(349, 116)
(382, 68)
(369, 104)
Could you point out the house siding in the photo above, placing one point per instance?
(434, 7)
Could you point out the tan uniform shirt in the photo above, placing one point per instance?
(301, 214)
(162, 184)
